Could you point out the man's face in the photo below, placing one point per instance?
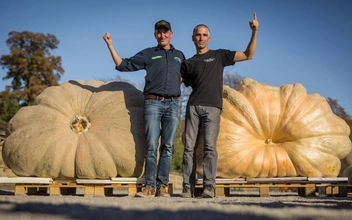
(163, 36)
(201, 37)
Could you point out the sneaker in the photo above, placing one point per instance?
(208, 192)
(186, 192)
(148, 191)
(161, 191)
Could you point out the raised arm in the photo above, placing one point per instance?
(115, 56)
(249, 52)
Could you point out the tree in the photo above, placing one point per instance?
(8, 106)
(339, 111)
(177, 154)
(30, 64)
(232, 80)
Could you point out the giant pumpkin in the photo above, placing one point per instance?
(268, 131)
(79, 129)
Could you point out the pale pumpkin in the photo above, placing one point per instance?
(268, 131)
(79, 130)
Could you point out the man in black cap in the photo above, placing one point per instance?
(161, 91)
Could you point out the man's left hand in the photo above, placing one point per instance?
(254, 24)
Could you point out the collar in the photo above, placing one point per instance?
(158, 47)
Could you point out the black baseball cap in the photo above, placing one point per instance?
(162, 23)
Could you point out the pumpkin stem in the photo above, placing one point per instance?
(80, 124)
(268, 141)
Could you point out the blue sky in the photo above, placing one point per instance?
(299, 41)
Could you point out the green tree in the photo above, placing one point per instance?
(30, 65)
(177, 155)
(8, 106)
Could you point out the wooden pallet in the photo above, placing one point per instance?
(305, 186)
(87, 187)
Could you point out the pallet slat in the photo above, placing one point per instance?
(277, 180)
(329, 180)
(92, 181)
(128, 180)
(225, 181)
(32, 180)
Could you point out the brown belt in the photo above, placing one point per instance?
(160, 98)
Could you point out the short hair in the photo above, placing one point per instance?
(200, 25)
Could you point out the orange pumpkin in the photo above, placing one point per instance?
(268, 131)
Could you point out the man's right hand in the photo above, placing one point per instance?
(115, 56)
(107, 38)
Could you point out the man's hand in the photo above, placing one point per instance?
(107, 38)
(254, 24)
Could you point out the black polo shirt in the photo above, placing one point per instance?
(163, 69)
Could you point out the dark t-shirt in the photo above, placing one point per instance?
(204, 73)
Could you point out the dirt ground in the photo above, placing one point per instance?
(239, 205)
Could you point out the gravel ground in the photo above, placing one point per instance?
(240, 205)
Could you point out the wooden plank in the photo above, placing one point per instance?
(132, 190)
(328, 180)
(128, 180)
(92, 181)
(89, 190)
(308, 190)
(225, 181)
(20, 190)
(264, 191)
(219, 191)
(99, 190)
(33, 180)
(277, 180)
(55, 190)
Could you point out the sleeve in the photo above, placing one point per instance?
(137, 62)
(183, 57)
(185, 74)
(227, 57)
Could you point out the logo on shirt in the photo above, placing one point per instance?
(209, 60)
(178, 59)
(156, 57)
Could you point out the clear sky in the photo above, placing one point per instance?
(299, 41)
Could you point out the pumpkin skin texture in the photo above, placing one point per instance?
(79, 130)
(268, 131)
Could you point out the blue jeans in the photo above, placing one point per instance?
(161, 120)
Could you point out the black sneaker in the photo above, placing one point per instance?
(208, 192)
(186, 192)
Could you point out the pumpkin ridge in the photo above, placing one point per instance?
(50, 166)
(267, 115)
(293, 103)
(231, 115)
(241, 103)
(85, 155)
